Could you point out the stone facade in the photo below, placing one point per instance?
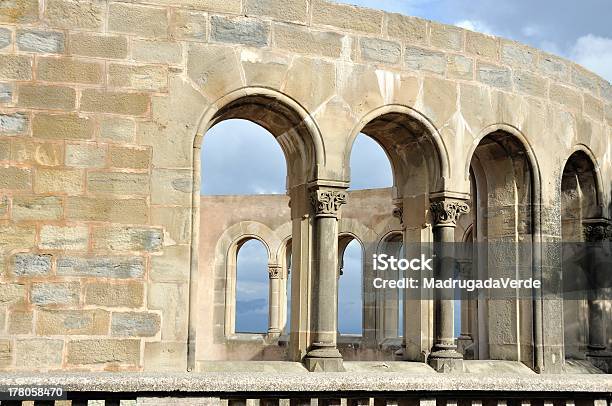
(103, 107)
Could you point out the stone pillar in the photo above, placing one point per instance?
(275, 312)
(445, 211)
(323, 354)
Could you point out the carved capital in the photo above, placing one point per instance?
(275, 271)
(398, 212)
(326, 202)
(445, 213)
(596, 230)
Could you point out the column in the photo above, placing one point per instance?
(445, 211)
(323, 354)
(275, 312)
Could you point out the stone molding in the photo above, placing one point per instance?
(445, 213)
(596, 230)
(275, 271)
(327, 202)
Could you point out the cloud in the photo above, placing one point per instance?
(594, 53)
(475, 25)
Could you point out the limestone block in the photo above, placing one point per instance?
(439, 100)
(5, 37)
(515, 54)
(300, 39)
(64, 237)
(494, 75)
(213, 6)
(347, 17)
(566, 96)
(86, 155)
(129, 157)
(69, 70)
(62, 126)
(585, 79)
(15, 123)
(114, 102)
(135, 324)
(68, 181)
(144, 77)
(608, 113)
(378, 50)
(106, 209)
(118, 183)
(102, 266)
(173, 266)
(460, 67)
(12, 293)
(138, 20)
(238, 30)
(175, 220)
(360, 90)
(4, 205)
(37, 208)
(446, 36)
(214, 68)
(156, 51)
(554, 67)
(6, 352)
(264, 68)
(19, 11)
(188, 25)
(593, 107)
(15, 67)
(39, 352)
(27, 264)
(46, 97)
(117, 129)
(101, 46)
(424, 59)
(130, 294)
(285, 10)
(40, 41)
(165, 356)
(528, 83)
(103, 351)
(605, 90)
(20, 322)
(88, 15)
(6, 92)
(171, 187)
(64, 293)
(37, 153)
(15, 237)
(118, 238)
(410, 29)
(482, 45)
(171, 299)
(15, 178)
(310, 81)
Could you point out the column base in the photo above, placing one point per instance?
(601, 359)
(324, 358)
(446, 361)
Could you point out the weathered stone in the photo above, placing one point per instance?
(460, 67)
(27, 264)
(103, 267)
(424, 59)
(347, 17)
(20, 322)
(565, 96)
(526, 82)
(15, 178)
(62, 126)
(310, 88)
(86, 155)
(102, 351)
(139, 20)
(593, 107)
(63, 293)
(446, 36)
(40, 41)
(49, 180)
(585, 79)
(175, 220)
(12, 293)
(15, 123)
(118, 183)
(39, 352)
(129, 157)
(171, 299)
(237, 30)
(15, 67)
(106, 209)
(164, 356)
(142, 77)
(380, 51)
(73, 15)
(37, 153)
(71, 322)
(156, 52)
(6, 353)
(130, 294)
(135, 324)
(299, 39)
(263, 67)
(64, 237)
(6, 93)
(214, 68)
(101, 46)
(16, 237)
(46, 97)
(410, 29)
(554, 66)
(37, 208)
(116, 238)
(494, 75)
(188, 25)
(114, 102)
(440, 100)
(515, 54)
(173, 266)
(482, 45)
(69, 70)
(285, 10)
(172, 187)
(5, 37)
(608, 113)
(4, 206)
(116, 129)
(19, 11)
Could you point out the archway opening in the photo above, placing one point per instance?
(350, 288)
(252, 288)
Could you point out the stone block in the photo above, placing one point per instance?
(103, 351)
(264, 67)
(28, 264)
(300, 39)
(410, 29)
(308, 81)
(284, 10)
(12, 293)
(173, 266)
(157, 52)
(68, 181)
(117, 129)
(554, 67)
(62, 126)
(143, 77)
(565, 96)
(15, 178)
(213, 6)
(494, 75)
(171, 186)
(63, 293)
(102, 266)
(46, 97)
(64, 237)
(39, 352)
(446, 36)
(118, 183)
(71, 322)
(165, 356)
(188, 25)
(138, 20)
(106, 209)
(13, 12)
(40, 41)
(460, 67)
(135, 324)
(29, 208)
(88, 155)
(424, 59)
(585, 79)
(4, 206)
(5, 37)
(377, 50)
(14, 123)
(5, 149)
(214, 68)
(20, 322)
(6, 92)
(37, 153)
(482, 45)
(16, 237)
(87, 15)
(593, 107)
(347, 17)
(69, 70)
(172, 300)
(15, 67)
(239, 30)
(515, 54)
(608, 113)
(126, 238)
(526, 82)
(6, 352)
(129, 157)
(99, 46)
(130, 294)
(101, 101)
(605, 90)
(175, 220)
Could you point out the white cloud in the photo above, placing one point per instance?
(475, 25)
(594, 53)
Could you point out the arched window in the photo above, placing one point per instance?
(350, 290)
(370, 167)
(252, 288)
